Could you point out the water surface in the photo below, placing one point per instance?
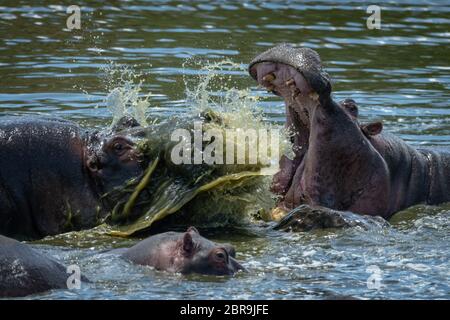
(399, 74)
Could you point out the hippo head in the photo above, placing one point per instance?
(368, 129)
(326, 135)
(200, 255)
(112, 157)
(289, 71)
(295, 74)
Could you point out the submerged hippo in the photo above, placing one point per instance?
(56, 177)
(338, 163)
(184, 252)
(53, 174)
(24, 271)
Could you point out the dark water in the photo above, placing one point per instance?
(399, 74)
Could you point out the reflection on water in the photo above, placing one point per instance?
(399, 74)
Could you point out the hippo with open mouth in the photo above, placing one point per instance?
(53, 174)
(340, 164)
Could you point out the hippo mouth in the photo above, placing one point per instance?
(285, 81)
(165, 188)
(296, 75)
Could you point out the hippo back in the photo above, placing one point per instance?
(438, 159)
(24, 271)
(44, 187)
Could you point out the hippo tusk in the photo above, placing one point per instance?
(294, 90)
(290, 82)
(278, 213)
(269, 77)
(314, 96)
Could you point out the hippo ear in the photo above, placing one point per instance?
(372, 129)
(188, 243)
(193, 229)
(125, 122)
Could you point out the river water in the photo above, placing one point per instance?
(399, 74)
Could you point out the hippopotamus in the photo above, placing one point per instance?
(54, 174)
(183, 252)
(338, 163)
(25, 271)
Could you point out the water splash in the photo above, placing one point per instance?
(220, 194)
(125, 96)
(215, 88)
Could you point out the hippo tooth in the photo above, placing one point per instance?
(290, 82)
(269, 77)
(314, 96)
(295, 93)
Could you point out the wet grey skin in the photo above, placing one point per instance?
(25, 271)
(184, 252)
(53, 174)
(340, 164)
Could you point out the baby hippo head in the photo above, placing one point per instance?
(200, 255)
(184, 252)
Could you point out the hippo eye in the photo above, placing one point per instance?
(118, 146)
(221, 255)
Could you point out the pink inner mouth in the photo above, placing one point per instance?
(287, 82)
(300, 100)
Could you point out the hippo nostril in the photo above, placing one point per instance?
(237, 266)
(95, 163)
(91, 164)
